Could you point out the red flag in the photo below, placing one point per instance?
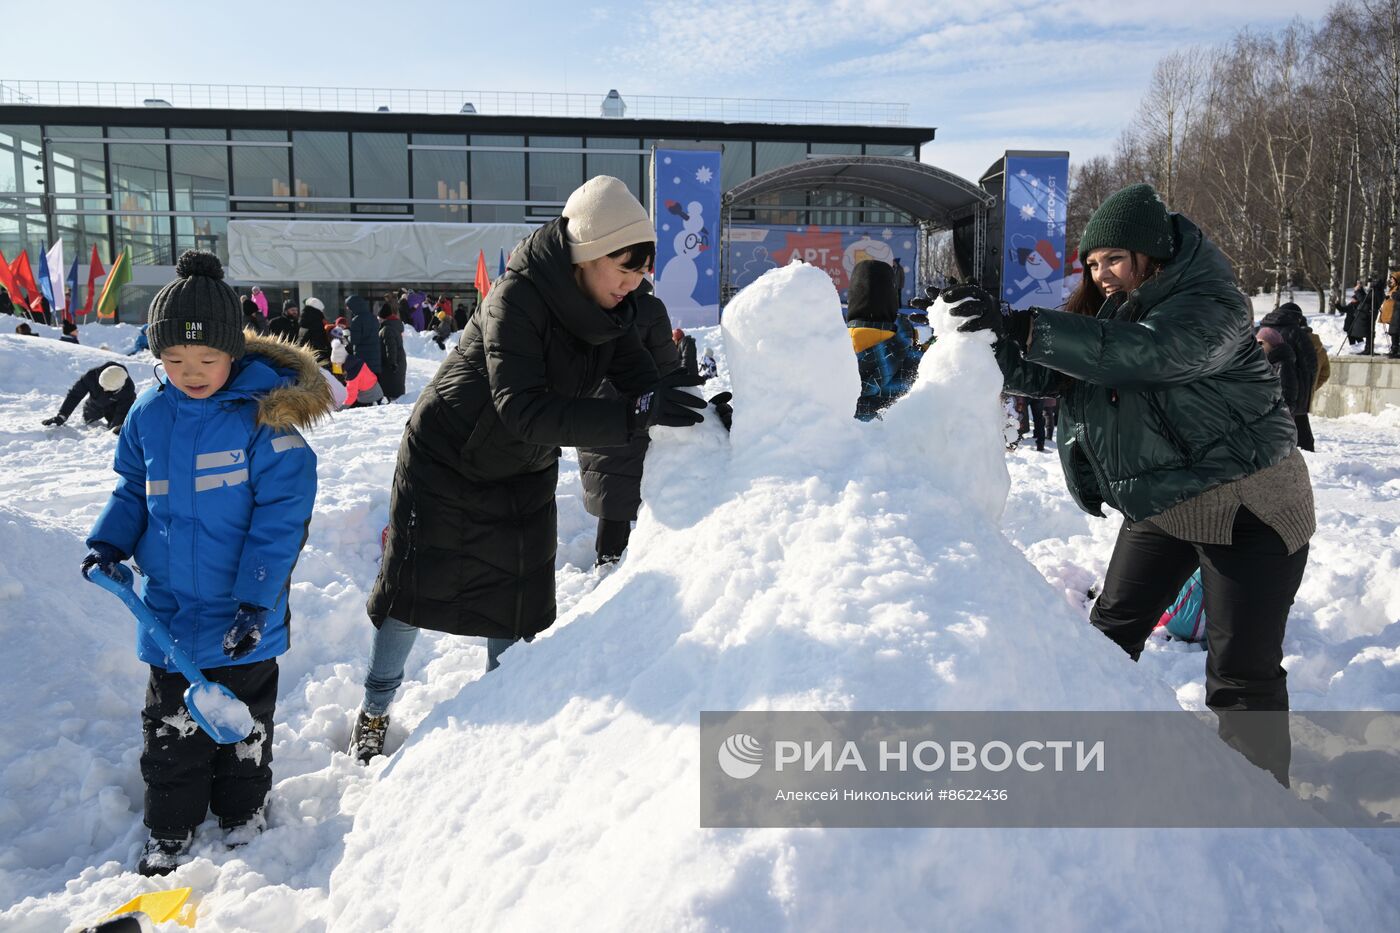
(482, 280)
(8, 280)
(95, 272)
(24, 277)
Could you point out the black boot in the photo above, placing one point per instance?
(164, 853)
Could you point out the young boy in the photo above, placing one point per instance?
(214, 493)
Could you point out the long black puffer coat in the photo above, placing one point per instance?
(472, 524)
(393, 359)
(612, 476)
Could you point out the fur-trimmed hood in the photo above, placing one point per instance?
(300, 402)
(283, 378)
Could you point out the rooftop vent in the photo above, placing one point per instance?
(156, 102)
(613, 105)
(467, 108)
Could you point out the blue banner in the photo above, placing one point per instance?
(685, 204)
(1033, 255)
(754, 249)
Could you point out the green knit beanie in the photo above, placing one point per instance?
(1133, 219)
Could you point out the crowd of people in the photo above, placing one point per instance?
(1166, 402)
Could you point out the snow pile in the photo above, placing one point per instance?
(805, 561)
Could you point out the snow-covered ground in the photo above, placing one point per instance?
(807, 561)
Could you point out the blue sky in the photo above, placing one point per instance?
(989, 74)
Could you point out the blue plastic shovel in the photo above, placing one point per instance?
(225, 718)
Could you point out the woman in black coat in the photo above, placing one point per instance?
(312, 333)
(472, 523)
(391, 354)
(612, 476)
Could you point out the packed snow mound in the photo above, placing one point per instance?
(805, 561)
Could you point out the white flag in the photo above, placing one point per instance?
(56, 268)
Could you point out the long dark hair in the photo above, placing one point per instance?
(1087, 299)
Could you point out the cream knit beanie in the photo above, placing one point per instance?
(603, 218)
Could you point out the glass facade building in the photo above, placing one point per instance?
(159, 181)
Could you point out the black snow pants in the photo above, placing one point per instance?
(186, 772)
(1249, 587)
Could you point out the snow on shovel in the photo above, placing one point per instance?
(213, 707)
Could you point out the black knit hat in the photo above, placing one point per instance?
(198, 308)
(871, 296)
(1133, 219)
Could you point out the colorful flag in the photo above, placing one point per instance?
(501, 267)
(55, 264)
(72, 284)
(95, 272)
(482, 280)
(112, 289)
(8, 280)
(45, 281)
(24, 277)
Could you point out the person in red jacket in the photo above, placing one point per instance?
(361, 385)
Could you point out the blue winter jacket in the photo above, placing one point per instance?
(214, 496)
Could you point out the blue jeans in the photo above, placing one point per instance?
(389, 652)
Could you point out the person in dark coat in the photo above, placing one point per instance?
(472, 533)
(70, 332)
(253, 319)
(1285, 365)
(7, 306)
(612, 476)
(109, 392)
(312, 332)
(1170, 414)
(898, 281)
(395, 361)
(1392, 326)
(685, 351)
(1292, 325)
(364, 333)
(881, 350)
(287, 324)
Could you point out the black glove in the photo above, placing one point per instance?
(102, 556)
(117, 430)
(978, 309)
(668, 403)
(245, 633)
(55, 420)
(723, 410)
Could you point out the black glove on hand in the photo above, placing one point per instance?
(54, 421)
(668, 403)
(723, 410)
(102, 556)
(245, 633)
(978, 309)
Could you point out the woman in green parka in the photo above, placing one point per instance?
(1170, 414)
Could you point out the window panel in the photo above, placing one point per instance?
(554, 176)
(201, 177)
(498, 176)
(139, 178)
(206, 233)
(261, 170)
(626, 168)
(381, 165)
(322, 163)
(21, 164)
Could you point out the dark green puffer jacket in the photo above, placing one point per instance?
(1167, 393)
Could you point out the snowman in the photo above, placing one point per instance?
(1040, 262)
(675, 283)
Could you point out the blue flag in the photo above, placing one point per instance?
(501, 270)
(45, 284)
(72, 283)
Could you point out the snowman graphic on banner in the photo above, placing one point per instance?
(686, 200)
